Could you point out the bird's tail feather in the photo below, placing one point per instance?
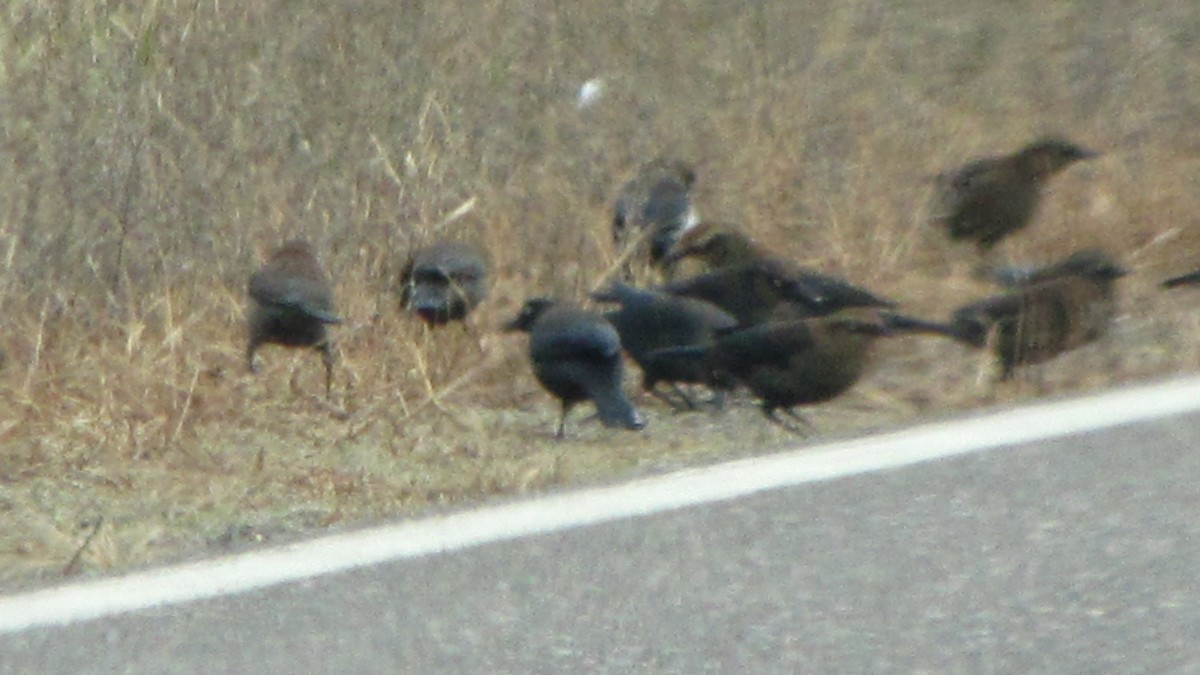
(613, 407)
(1183, 280)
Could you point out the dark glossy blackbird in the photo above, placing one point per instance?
(794, 363)
(989, 199)
(649, 321)
(1067, 305)
(576, 356)
(657, 204)
(291, 304)
(443, 282)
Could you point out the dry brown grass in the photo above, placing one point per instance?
(156, 151)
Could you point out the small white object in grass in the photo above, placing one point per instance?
(462, 210)
(590, 92)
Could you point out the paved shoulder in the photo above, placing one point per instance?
(1074, 554)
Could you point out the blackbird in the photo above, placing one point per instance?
(657, 198)
(576, 356)
(443, 282)
(291, 304)
(787, 364)
(648, 321)
(991, 198)
(1061, 307)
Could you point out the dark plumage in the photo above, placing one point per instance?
(1085, 262)
(749, 283)
(825, 294)
(657, 198)
(443, 282)
(1188, 279)
(793, 363)
(291, 303)
(648, 321)
(576, 356)
(989, 199)
(1064, 306)
(749, 293)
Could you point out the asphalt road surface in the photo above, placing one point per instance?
(1079, 554)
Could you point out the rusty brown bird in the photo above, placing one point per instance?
(788, 364)
(989, 199)
(749, 283)
(1062, 307)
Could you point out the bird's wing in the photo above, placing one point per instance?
(570, 344)
(832, 293)
(764, 345)
(958, 187)
(301, 295)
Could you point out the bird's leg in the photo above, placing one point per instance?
(792, 413)
(786, 425)
(679, 403)
(326, 349)
(250, 365)
(562, 422)
(991, 367)
(662, 396)
(718, 400)
(683, 395)
(773, 415)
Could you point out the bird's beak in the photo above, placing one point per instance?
(605, 295)
(672, 256)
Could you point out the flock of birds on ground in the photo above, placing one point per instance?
(791, 336)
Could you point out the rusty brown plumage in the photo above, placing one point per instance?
(789, 364)
(989, 199)
(1059, 308)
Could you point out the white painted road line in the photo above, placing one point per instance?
(337, 553)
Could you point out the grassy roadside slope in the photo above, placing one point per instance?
(155, 152)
